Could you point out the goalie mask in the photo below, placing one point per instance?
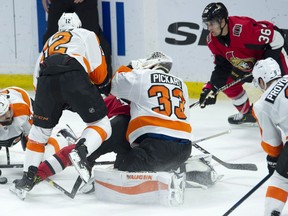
(158, 60)
(265, 70)
(69, 21)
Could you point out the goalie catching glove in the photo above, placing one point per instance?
(208, 95)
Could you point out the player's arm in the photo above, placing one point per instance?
(264, 35)
(218, 79)
(98, 68)
(275, 47)
(221, 72)
(123, 83)
(271, 136)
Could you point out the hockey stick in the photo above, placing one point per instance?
(11, 166)
(248, 194)
(251, 167)
(77, 183)
(74, 190)
(210, 137)
(223, 88)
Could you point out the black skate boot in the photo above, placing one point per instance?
(28, 180)
(78, 157)
(243, 119)
(275, 213)
(21, 186)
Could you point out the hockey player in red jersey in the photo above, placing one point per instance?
(237, 43)
(271, 113)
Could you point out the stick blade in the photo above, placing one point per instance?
(250, 167)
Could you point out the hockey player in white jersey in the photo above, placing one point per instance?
(159, 129)
(272, 116)
(15, 116)
(72, 73)
(159, 133)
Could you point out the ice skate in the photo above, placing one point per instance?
(275, 213)
(20, 193)
(79, 160)
(89, 187)
(246, 119)
(20, 187)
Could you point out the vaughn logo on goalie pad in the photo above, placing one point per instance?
(166, 188)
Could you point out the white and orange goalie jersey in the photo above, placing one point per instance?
(159, 102)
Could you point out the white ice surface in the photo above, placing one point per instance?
(242, 145)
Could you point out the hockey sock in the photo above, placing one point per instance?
(55, 163)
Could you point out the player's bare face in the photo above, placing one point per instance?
(7, 118)
(213, 27)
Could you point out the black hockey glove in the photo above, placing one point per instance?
(105, 86)
(271, 163)
(208, 95)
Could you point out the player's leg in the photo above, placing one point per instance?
(240, 100)
(87, 101)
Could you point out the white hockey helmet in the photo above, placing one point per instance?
(69, 21)
(4, 105)
(267, 70)
(158, 60)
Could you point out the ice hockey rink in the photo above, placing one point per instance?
(241, 145)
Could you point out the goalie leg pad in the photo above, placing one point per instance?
(139, 187)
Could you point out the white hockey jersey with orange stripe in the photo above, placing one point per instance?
(81, 44)
(159, 102)
(22, 112)
(272, 113)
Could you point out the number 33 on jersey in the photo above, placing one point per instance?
(159, 102)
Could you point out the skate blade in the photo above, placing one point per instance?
(21, 194)
(82, 170)
(243, 125)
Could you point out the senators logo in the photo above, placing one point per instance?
(245, 65)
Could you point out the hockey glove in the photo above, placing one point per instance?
(208, 95)
(105, 86)
(271, 163)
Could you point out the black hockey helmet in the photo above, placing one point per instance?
(214, 11)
